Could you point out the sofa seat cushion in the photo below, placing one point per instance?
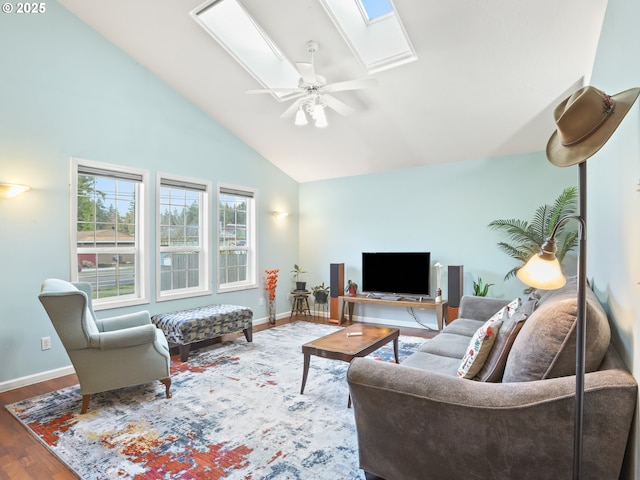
(433, 363)
(463, 326)
(546, 344)
(446, 345)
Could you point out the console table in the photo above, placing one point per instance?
(439, 307)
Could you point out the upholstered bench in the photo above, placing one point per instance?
(185, 327)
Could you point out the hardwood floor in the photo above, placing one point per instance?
(23, 457)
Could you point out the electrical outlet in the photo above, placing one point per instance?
(261, 301)
(45, 343)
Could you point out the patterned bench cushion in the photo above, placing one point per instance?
(203, 323)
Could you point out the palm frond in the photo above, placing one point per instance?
(564, 205)
(519, 231)
(565, 243)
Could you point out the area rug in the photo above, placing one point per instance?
(236, 413)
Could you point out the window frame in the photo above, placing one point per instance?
(251, 239)
(141, 293)
(205, 268)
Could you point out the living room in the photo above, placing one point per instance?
(67, 92)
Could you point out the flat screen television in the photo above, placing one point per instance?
(399, 273)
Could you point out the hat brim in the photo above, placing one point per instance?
(565, 156)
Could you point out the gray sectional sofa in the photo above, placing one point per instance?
(512, 420)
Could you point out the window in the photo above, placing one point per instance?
(108, 232)
(236, 239)
(183, 268)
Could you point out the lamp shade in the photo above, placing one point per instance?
(542, 273)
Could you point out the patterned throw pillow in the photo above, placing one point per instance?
(513, 306)
(480, 345)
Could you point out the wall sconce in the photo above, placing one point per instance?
(10, 190)
(280, 215)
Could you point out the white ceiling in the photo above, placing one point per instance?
(488, 75)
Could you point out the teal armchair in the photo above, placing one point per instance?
(106, 353)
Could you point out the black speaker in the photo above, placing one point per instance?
(336, 280)
(455, 284)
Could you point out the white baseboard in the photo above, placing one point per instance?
(36, 378)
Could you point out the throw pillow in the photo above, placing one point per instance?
(480, 345)
(513, 306)
(493, 367)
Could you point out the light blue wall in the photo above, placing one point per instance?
(67, 92)
(444, 209)
(613, 206)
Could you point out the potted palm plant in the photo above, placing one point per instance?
(527, 238)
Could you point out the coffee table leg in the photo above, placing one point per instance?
(305, 371)
(395, 349)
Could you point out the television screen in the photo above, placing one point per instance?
(404, 273)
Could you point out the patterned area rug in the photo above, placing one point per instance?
(236, 413)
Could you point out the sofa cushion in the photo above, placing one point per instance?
(463, 326)
(433, 363)
(546, 344)
(480, 345)
(447, 345)
(493, 367)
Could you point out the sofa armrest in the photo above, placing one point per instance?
(128, 320)
(480, 308)
(411, 421)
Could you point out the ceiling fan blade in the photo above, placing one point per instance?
(275, 90)
(307, 72)
(293, 108)
(350, 85)
(337, 105)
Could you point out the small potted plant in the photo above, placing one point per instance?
(297, 272)
(351, 289)
(320, 293)
(481, 289)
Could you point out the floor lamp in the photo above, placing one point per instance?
(584, 123)
(543, 271)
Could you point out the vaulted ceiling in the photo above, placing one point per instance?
(485, 83)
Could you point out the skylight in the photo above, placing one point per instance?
(373, 9)
(228, 22)
(373, 30)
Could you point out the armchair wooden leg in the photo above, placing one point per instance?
(85, 403)
(167, 384)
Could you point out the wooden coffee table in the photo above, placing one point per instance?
(344, 345)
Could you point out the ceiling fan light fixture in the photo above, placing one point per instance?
(319, 116)
(301, 118)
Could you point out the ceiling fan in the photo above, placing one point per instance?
(313, 93)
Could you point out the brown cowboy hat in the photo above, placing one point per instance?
(584, 123)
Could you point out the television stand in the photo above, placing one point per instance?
(430, 303)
